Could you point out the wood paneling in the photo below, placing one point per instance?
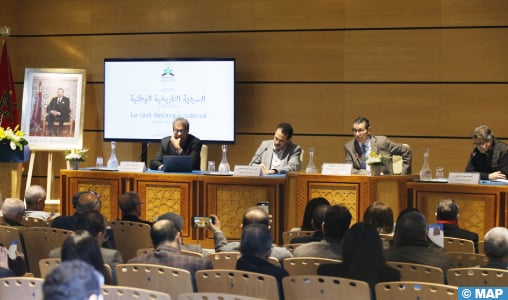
(474, 12)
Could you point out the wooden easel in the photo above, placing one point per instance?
(49, 173)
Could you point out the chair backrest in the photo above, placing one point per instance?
(287, 236)
(237, 282)
(39, 241)
(114, 292)
(477, 277)
(48, 264)
(224, 260)
(418, 272)
(21, 288)
(481, 245)
(467, 260)
(214, 296)
(172, 281)
(9, 234)
(415, 290)
(33, 222)
(130, 236)
(458, 245)
(191, 253)
(203, 163)
(306, 265)
(324, 288)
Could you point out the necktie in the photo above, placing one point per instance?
(364, 156)
(59, 100)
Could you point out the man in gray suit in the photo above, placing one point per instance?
(280, 155)
(358, 149)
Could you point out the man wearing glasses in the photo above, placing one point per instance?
(85, 202)
(358, 149)
(180, 143)
(489, 156)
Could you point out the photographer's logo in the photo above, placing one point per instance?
(469, 293)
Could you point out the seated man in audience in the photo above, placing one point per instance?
(85, 202)
(35, 197)
(256, 248)
(496, 248)
(411, 244)
(13, 211)
(95, 223)
(130, 204)
(74, 279)
(178, 220)
(166, 240)
(280, 155)
(335, 224)
(318, 217)
(448, 214)
(253, 215)
(489, 156)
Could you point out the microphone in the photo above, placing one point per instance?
(258, 157)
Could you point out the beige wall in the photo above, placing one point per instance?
(424, 72)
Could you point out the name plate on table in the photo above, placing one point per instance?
(247, 170)
(464, 178)
(132, 166)
(336, 169)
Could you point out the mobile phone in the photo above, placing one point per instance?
(201, 222)
(265, 206)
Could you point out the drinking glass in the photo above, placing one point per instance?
(440, 172)
(99, 162)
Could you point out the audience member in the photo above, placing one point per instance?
(11, 264)
(412, 245)
(81, 245)
(86, 201)
(166, 240)
(253, 215)
(256, 248)
(74, 279)
(35, 199)
(180, 143)
(336, 223)
(178, 220)
(95, 223)
(13, 210)
(380, 215)
(447, 213)
(489, 156)
(130, 204)
(317, 220)
(309, 210)
(362, 257)
(280, 155)
(358, 149)
(496, 248)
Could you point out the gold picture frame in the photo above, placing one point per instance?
(53, 108)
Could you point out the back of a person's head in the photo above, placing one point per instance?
(411, 227)
(88, 202)
(75, 198)
(336, 222)
(163, 231)
(175, 218)
(256, 240)
(318, 216)
(380, 215)
(447, 210)
(74, 279)
(496, 243)
(34, 193)
(81, 245)
(13, 209)
(93, 222)
(128, 202)
(255, 215)
(309, 210)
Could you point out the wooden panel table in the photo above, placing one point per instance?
(482, 206)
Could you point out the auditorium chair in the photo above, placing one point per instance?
(415, 290)
(302, 287)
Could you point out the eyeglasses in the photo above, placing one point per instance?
(97, 203)
(481, 143)
(94, 193)
(179, 130)
(354, 130)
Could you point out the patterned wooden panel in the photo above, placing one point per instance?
(343, 194)
(108, 189)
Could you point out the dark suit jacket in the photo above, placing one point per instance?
(66, 222)
(316, 237)
(64, 108)
(451, 230)
(380, 145)
(133, 218)
(191, 147)
(290, 161)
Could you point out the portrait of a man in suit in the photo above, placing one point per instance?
(58, 111)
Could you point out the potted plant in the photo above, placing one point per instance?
(12, 145)
(74, 157)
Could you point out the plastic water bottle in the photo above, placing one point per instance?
(113, 161)
(13, 248)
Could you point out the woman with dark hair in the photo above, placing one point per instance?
(80, 245)
(309, 210)
(362, 257)
(380, 215)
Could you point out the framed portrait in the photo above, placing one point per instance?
(53, 108)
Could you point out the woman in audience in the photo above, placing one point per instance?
(362, 257)
(380, 215)
(309, 209)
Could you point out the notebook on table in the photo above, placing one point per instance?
(177, 163)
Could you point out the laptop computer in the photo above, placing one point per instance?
(177, 163)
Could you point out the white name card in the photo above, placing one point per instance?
(132, 166)
(336, 169)
(241, 170)
(464, 178)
